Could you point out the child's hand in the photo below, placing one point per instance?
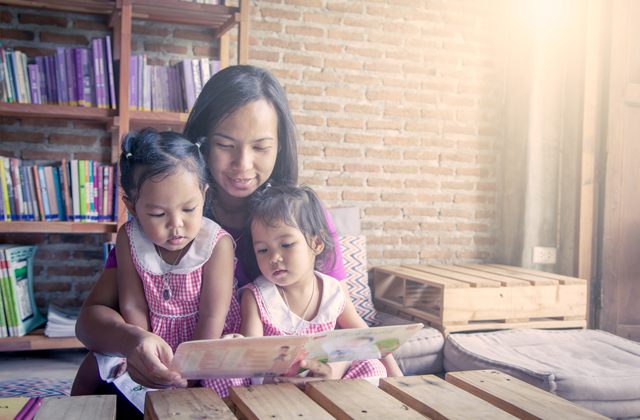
(234, 335)
(147, 362)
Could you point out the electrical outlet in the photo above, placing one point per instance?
(543, 255)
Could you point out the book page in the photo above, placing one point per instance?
(358, 343)
(238, 357)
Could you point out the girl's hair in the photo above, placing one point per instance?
(298, 207)
(154, 155)
(234, 87)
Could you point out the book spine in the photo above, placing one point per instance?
(8, 80)
(45, 194)
(34, 84)
(42, 81)
(64, 174)
(5, 192)
(75, 189)
(9, 180)
(52, 84)
(51, 193)
(17, 189)
(85, 89)
(26, 193)
(197, 79)
(105, 193)
(24, 73)
(98, 72)
(61, 76)
(109, 59)
(28, 175)
(82, 184)
(57, 186)
(35, 172)
(133, 82)
(7, 295)
(72, 83)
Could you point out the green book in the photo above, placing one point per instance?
(82, 187)
(25, 313)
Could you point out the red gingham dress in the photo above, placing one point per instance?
(277, 319)
(175, 319)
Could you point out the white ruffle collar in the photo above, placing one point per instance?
(199, 252)
(331, 305)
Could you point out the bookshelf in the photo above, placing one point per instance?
(121, 14)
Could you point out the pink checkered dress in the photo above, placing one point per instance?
(277, 319)
(175, 319)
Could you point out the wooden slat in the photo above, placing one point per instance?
(533, 279)
(421, 277)
(505, 281)
(442, 271)
(358, 399)
(271, 401)
(561, 278)
(531, 323)
(185, 403)
(95, 407)
(438, 399)
(518, 397)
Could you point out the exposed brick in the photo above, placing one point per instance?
(44, 20)
(68, 39)
(315, 32)
(21, 136)
(16, 34)
(92, 25)
(165, 48)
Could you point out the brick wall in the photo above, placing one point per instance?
(397, 104)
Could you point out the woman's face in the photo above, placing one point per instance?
(243, 149)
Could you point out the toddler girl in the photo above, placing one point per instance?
(291, 240)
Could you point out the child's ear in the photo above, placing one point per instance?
(317, 245)
(129, 205)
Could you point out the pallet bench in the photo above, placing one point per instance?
(477, 297)
(461, 395)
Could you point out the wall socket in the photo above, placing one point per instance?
(544, 255)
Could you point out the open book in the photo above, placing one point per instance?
(277, 355)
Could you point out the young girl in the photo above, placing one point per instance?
(291, 240)
(175, 267)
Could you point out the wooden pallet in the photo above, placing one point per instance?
(481, 297)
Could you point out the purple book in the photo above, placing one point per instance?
(34, 84)
(50, 73)
(83, 77)
(112, 89)
(42, 81)
(133, 82)
(99, 72)
(188, 88)
(71, 76)
(61, 76)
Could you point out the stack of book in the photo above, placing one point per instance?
(18, 311)
(61, 322)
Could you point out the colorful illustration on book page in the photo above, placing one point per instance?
(240, 357)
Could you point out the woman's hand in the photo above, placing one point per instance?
(147, 362)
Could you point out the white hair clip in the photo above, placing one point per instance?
(128, 155)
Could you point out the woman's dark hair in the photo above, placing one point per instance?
(298, 207)
(149, 154)
(234, 87)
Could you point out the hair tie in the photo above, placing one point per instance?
(197, 143)
(128, 155)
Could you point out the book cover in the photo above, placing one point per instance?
(8, 79)
(14, 164)
(65, 187)
(188, 86)
(51, 76)
(277, 355)
(5, 191)
(75, 189)
(26, 194)
(20, 267)
(28, 174)
(42, 80)
(24, 74)
(133, 82)
(57, 187)
(98, 72)
(4, 326)
(35, 173)
(82, 190)
(61, 76)
(10, 190)
(72, 82)
(51, 193)
(34, 83)
(83, 77)
(9, 304)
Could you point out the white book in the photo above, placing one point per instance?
(75, 190)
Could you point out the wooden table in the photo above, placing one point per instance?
(461, 395)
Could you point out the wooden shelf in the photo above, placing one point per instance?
(36, 340)
(55, 111)
(141, 119)
(57, 227)
(103, 7)
(221, 18)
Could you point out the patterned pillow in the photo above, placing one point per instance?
(354, 255)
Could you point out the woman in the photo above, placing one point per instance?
(243, 118)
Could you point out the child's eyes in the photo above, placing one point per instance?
(261, 251)
(288, 245)
(261, 148)
(156, 214)
(224, 145)
(189, 210)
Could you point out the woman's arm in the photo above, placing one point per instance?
(217, 287)
(131, 299)
(102, 329)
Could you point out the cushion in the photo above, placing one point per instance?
(354, 255)
(593, 368)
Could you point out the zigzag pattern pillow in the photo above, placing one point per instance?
(354, 255)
